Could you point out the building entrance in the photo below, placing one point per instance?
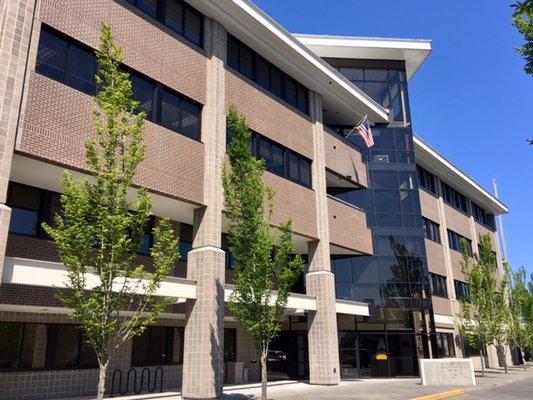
(288, 356)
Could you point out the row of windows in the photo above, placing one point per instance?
(453, 197)
(455, 241)
(386, 87)
(69, 62)
(438, 285)
(480, 215)
(426, 179)
(461, 290)
(31, 206)
(176, 15)
(243, 59)
(66, 347)
(281, 161)
(431, 230)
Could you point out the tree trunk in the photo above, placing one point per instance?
(101, 381)
(264, 376)
(482, 361)
(504, 359)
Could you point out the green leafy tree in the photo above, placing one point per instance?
(99, 231)
(521, 307)
(480, 317)
(523, 21)
(265, 266)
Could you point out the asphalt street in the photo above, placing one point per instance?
(522, 389)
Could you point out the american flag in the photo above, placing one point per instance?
(363, 128)
(366, 132)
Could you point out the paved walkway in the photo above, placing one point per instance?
(367, 389)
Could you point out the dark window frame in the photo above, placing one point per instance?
(455, 242)
(431, 230)
(161, 18)
(454, 198)
(438, 285)
(287, 153)
(303, 108)
(20, 347)
(169, 346)
(461, 290)
(52, 347)
(71, 42)
(426, 179)
(447, 346)
(155, 113)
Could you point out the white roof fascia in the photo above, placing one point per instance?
(413, 51)
(436, 163)
(319, 75)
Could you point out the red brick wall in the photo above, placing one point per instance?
(269, 115)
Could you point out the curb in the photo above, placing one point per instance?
(442, 395)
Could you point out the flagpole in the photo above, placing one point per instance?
(356, 125)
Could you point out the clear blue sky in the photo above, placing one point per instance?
(471, 99)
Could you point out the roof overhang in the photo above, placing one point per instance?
(255, 28)
(413, 52)
(436, 163)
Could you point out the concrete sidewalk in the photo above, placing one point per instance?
(366, 389)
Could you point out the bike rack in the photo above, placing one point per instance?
(137, 389)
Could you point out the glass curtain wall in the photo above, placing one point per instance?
(395, 281)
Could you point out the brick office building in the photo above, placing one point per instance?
(379, 228)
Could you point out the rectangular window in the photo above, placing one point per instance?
(445, 346)
(170, 110)
(480, 215)
(186, 237)
(155, 346)
(455, 242)
(230, 345)
(193, 26)
(190, 120)
(438, 285)
(263, 73)
(17, 345)
(174, 15)
(67, 348)
(454, 198)
(241, 58)
(143, 92)
(25, 203)
(177, 15)
(277, 160)
(426, 179)
(59, 58)
(461, 290)
(162, 105)
(431, 230)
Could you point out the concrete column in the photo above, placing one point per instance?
(203, 362)
(323, 337)
(16, 21)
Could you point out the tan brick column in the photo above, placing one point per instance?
(16, 20)
(320, 282)
(203, 363)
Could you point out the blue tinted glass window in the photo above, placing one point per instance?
(170, 110)
(233, 53)
(148, 6)
(25, 202)
(143, 92)
(174, 15)
(246, 62)
(264, 152)
(305, 172)
(277, 160)
(52, 55)
(291, 95)
(193, 27)
(275, 81)
(190, 120)
(263, 73)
